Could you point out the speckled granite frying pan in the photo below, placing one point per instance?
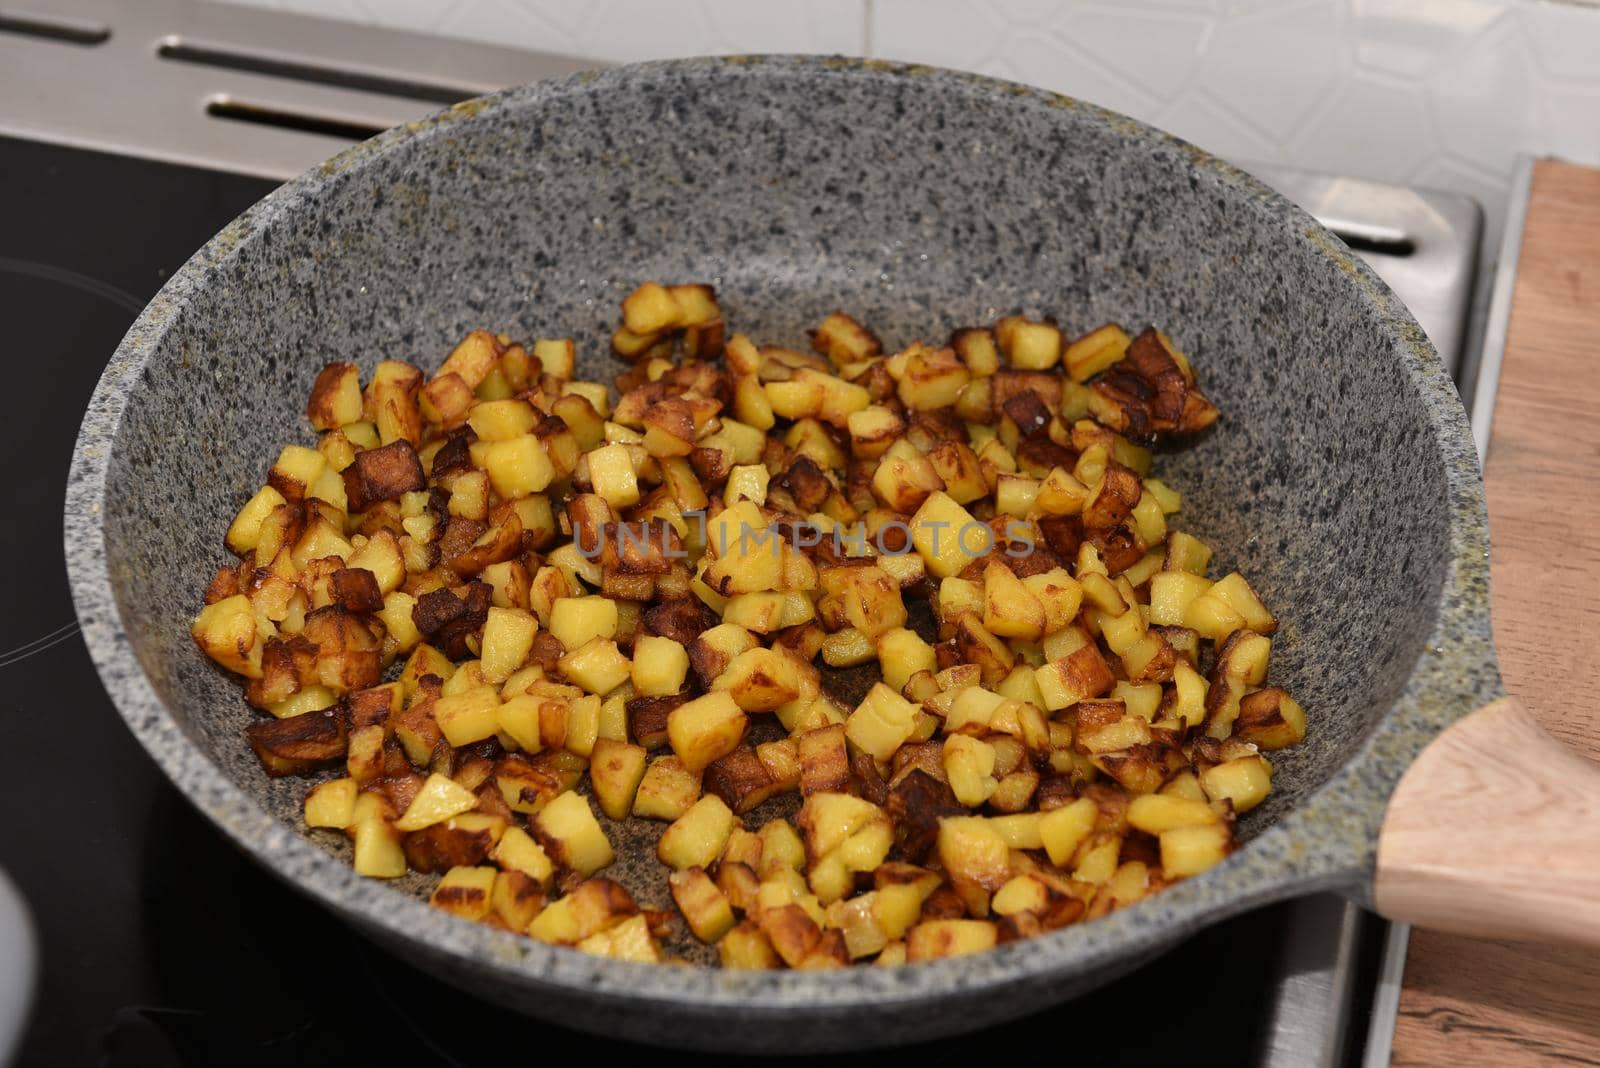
(1342, 479)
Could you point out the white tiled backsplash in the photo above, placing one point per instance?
(1441, 93)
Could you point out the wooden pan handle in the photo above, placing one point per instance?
(1494, 831)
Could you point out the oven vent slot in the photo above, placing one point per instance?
(224, 58)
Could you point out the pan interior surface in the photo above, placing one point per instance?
(916, 201)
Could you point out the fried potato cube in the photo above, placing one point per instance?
(612, 474)
(651, 309)
(706, 728)
(228, 633)
(244, 533)
(902, 653)
(382, 474)
(696, 839)
(1155, 813)
(705, 908)
(439, 799)
(845, 341)
(597, 666)
(1233, 591)
(332, 804)
(518, 851)
(1077, 676)
(1029, 346)
(577, 841)
(761, 680)
(1095, 351)
(940, 532)
(747, 947)
(1191, 850)
(1245, 781)
(507, 639)
(468, 716)
(667, 790)
(629, 940)
(936, 939)
(335, 397)
(502, 420)
(824, 760)
(1010, 610)
(872, 430)
(1210, 617)
(465, 892)
(516, 899)
(969, 768)
(1270, 718)
(904, 482)
(518, 466)
(659, 666)
(616, 770)
(473, 358)
(575, 621)
(295, 471)
(743, 780)
(377, 853)
(1063, 830)
(882, 722)
(595, 906)
(976, 859)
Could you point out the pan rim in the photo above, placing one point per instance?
(1327, 842)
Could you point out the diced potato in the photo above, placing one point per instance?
(579, 842)
(936, 939)
(882, 722)
(507, 639)
(612, 474)
(597, 666)
(705, 908)
(1064, 829)
(616, 769)
(576, 620)
(439, 799)
(517, 467)
(1191, 850)
(332, 804)
(667, 790)
(1155, 813)
(517, 851)
(465, 891)
(1245, 781)
(946, 536)
(696, 839)
(706, 728)
(468, 716)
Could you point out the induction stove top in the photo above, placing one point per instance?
(159, 942)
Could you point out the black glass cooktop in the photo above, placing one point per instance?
(163, 945)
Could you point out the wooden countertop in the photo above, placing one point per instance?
(1470, 1002)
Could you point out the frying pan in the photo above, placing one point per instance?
(1342, 479)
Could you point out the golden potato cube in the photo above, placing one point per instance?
(332, 804)
(1246, 781)
(942, 530)
(1022, 894)
(1210, 617)
(1095, 351)
(936, 939)
(612, 474)
(228, 633)
(469, 715)
(439, 799)
(747, 947)
(335, 397)
(629, 940)
(1010, 610)
(747, 482)
(575, 621)
(882, 722)
(1233, 591)
(781, 848)
(598, 666)
(969, 767)
(507, 638)
(667, 790)
(1187, 553)
(696, 839)
(659, 666)
(902, 653)
(517, 467)
(650, 309)
(705, 908)
(872, 431)
(1155, 813)
(1191, 850)
(517, 851)
(1066, 828)
(580, 843)
(519, 717)
(465, 891)
(244, 533)
(1030, 346)
(975, 857)
(502, 420)
(377, 853)
(762, 680)
(1270, 719)
(616, 768)
(706, 728)
(582, 728)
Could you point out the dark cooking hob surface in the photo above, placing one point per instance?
(161, 943)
